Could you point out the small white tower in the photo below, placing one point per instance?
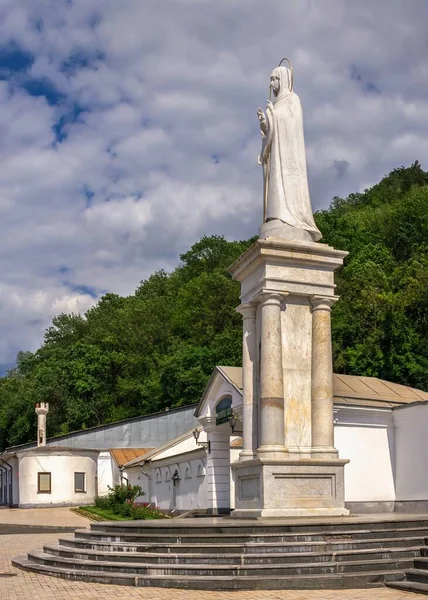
(42, 410)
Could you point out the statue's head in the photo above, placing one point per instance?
(281, 81)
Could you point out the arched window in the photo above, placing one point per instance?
(223, 410)
(167, 474)
(187, 471)
(158, 476)
(200, 470)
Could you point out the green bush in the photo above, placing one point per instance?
(102, 502)
(120, 499)
(124, 510)
(123, 493)
(146, 512)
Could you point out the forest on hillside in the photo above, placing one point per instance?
(134, 355)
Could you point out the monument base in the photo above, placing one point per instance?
(305, 487)
(278, 229)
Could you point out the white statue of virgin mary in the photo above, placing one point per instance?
(287, 203)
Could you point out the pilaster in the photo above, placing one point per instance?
(249, 409)
(218, 466)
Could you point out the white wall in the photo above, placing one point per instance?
(411, 426)
(190, 490)
(136, 477)
(105, 472)
(366, 438)
(62, 465)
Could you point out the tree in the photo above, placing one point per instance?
(130, 356)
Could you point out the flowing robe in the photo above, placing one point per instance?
(285, 161)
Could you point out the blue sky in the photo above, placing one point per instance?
(129, 130)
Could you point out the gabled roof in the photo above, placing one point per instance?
(347, 389)
(232, 375)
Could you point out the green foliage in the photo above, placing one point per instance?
(120, 502)
(134, 355)
(102, 502)
(123, 493)
(130, 356)
(137, 512)
(380, 325)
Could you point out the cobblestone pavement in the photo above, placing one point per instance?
(23, 585)
(53, 517)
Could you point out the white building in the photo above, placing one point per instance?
(72, 469)
(379, 426)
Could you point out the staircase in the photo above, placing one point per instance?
(226, 554)
(416, 579)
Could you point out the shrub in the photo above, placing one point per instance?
(124, 510)
(102, 502)
(122, 493)
(146, 512)
(121, 500)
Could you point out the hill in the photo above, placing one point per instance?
(134, 355)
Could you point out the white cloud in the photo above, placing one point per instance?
(165, 148)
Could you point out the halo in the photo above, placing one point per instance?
(291, 69)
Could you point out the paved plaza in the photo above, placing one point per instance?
(46, 517)
(21, 585)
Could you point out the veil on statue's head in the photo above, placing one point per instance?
(285, 76)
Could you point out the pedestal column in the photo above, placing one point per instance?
(322, 378)
(249, 414)
(271, 377)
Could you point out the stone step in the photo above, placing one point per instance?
(421, 563)
(221, 539)
(259, 555)
(312, 581)
(312, 525)
(231, 558)
(198, 570)
(225, 526)
(245, 548)
(420, 575)
(408, 586)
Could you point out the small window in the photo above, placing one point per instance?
(79, 482)
(43, 483)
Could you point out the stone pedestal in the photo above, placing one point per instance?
(302, 487)
(296, 470)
